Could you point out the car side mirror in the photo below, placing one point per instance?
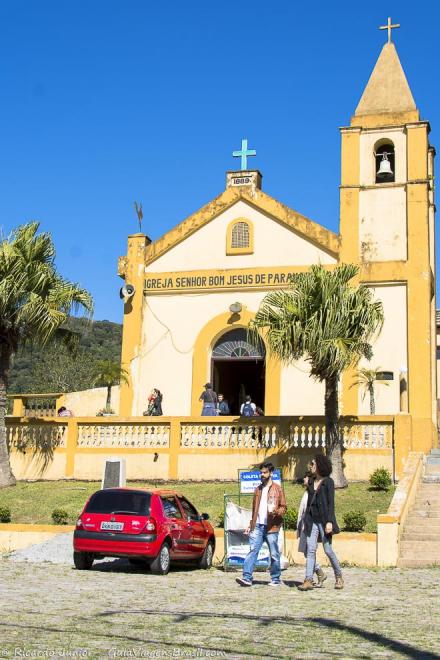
(205, 516)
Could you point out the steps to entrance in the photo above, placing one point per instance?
(420, 541)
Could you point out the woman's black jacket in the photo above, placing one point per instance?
(324, 505)
(157, 406)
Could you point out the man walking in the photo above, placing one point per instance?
(268, 509)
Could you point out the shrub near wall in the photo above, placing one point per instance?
(5, 514)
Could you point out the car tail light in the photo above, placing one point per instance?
(79, 524)
(150, 525)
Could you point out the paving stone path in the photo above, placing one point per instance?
(116, 610)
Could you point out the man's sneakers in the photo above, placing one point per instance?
(246, 583)
(243, 583)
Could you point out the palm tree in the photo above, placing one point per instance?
(109, 373)
(366, 378)
(35, 302)
(330, 323)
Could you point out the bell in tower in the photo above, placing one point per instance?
(384, 163)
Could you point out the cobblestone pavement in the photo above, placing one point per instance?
(116, 610)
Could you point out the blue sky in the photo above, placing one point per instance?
(107, 102)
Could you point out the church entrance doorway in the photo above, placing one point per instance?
(238, 369)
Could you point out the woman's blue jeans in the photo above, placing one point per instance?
(256, 540)
(312, 544)
(209, 410)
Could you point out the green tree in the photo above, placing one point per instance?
(58, 369)
(328, 322)
(32, 365)
(366, 379)
(109, 373)
(35, 303)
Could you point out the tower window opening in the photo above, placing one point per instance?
(385, 163)
(240, 235)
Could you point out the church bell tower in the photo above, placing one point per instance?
(387, 228)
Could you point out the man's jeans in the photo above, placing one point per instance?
(256, 540)
(312, 542)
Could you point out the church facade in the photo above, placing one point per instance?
(193, 291)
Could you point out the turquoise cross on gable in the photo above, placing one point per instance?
(244, 153)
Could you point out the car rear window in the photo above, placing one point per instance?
(113, 501)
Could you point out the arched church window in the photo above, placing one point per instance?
(240, 237)
(385, 161)
(235, 344)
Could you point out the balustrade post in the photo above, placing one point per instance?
(18, 407)
(173, 465)
(71, 445)
(402, 432)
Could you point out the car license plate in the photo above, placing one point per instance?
(116, 526)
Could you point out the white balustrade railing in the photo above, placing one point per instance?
(21, 437)
(282, 432)
(229, 436)
(287, 435)
(123, 435)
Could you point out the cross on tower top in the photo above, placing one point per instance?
(389, 27)
(244, 153)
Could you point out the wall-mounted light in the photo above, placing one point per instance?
(235, 308)
(155, 457)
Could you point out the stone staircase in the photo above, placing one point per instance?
(420, 541)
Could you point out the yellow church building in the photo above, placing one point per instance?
(188, 296)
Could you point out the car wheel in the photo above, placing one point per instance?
(83, 560)
(161, 564)
(205, 560)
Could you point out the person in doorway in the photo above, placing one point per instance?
(320, 520)
(209, 398)
(268, 509)
(222, 406)
(300, 531)
(248, 409)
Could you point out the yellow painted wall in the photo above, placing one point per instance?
(28, 466)
(86, 403)
(138, 465)
(389, 351)
(194, 464)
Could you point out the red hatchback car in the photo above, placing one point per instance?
(146, 526)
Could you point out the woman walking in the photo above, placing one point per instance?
(320, 521)
(300, 531)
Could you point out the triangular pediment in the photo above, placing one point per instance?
(311, 231)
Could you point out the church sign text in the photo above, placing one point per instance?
(209, 280)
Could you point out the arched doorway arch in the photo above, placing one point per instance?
(202, 361)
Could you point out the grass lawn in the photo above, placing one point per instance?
(33, 502)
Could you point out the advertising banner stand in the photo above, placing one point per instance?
(237, 519)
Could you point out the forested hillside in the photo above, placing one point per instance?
(56, 369)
